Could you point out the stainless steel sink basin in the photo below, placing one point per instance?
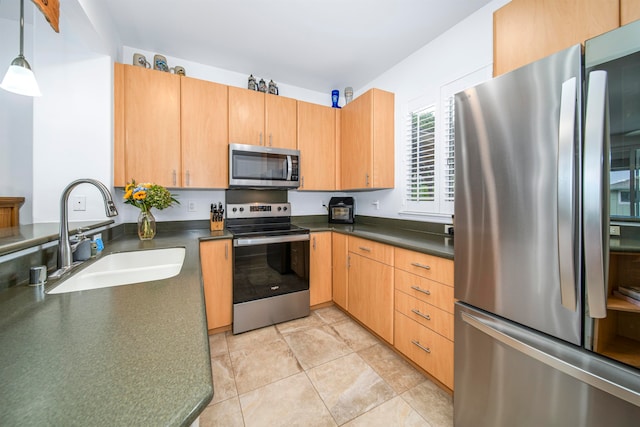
(125, 268)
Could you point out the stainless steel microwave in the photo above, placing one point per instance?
(256, 166)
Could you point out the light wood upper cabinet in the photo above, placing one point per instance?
(259, 119)
(527, 30)
(367, 142)
(151, 111)
(168, 129)
(320, 268)
(340, 273)
(629, 11)
(217, 276)
(205, 135)
(317, 145)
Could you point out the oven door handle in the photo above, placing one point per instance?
(254, 241)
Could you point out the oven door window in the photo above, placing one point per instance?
(268, 270)
(248, 165)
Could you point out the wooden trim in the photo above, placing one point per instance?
(10, 211)
(51, 10)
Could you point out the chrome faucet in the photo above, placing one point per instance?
(64, 246)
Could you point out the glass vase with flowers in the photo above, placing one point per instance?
(146, 196)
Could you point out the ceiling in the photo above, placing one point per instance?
(314, 44)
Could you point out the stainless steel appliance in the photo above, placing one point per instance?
(531, 249)
(256, 166)
(270, 265)
(341, 210)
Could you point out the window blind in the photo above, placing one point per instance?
(449, 165)
(421, 161)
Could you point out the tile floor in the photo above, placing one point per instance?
(322, 370)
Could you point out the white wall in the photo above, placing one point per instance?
(73, 121)
(462, 50)
(16, 118)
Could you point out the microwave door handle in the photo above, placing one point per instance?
(289, 168)
(565, 194)
(594, 187)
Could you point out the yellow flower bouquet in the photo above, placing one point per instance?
(144, 197)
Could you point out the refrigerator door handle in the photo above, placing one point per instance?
(594, 189)
(552, 361)
(566, 196)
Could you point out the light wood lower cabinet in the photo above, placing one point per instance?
(320, 268)
(217, 276)
(339, 255)
(370, 290)
(430, 350)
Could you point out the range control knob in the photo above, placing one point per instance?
(235, 209)
(241, 209)
(279, 208)
(285, 208)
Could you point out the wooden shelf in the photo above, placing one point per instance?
(623, 349)
(618, 304)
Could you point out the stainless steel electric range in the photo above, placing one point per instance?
(270, 265)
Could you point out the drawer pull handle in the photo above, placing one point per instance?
(417, 264)
(424, 291)
(362, 248)
(417, 344)
(416, 311)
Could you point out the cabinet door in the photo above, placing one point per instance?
(215, 259)
(246, 116)
(527, 30)
(356, 148)
(320, 268)
(205, 134)
(371, 294)
(629, 11)
(280, 122)
(339, 256)
(152, 126)
(317, 145)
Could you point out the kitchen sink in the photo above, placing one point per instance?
(124, 268)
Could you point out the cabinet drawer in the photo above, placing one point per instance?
(429, 266)
(426, 314)
(432, 352)
(372, 250)
(425, 290)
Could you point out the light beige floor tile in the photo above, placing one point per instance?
(331, 315)
(227, 414)
(435, 405)
(218, 344)
(257, 366)
(349, 387)
(250, 339)
(289, 402)
(315, 346)
(395, 412)
(224, 384)
(311, 321)
(400, 375)
(354, 335)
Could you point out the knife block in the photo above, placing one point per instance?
(216, 225)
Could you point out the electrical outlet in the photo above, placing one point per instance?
(80, 203)
(614, 230)
(448, 229)
(191, 206)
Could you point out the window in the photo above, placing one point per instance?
(430, 150)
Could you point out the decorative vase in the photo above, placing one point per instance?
(146, 225)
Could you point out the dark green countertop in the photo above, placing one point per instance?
(126, 355)
(407, 238)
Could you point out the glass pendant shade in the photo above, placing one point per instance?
(20, 79)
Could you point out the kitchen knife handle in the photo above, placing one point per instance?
(595, 190)
(565, 193)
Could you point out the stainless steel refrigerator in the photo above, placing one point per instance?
(541, 338)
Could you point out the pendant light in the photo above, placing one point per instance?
(19, 78)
